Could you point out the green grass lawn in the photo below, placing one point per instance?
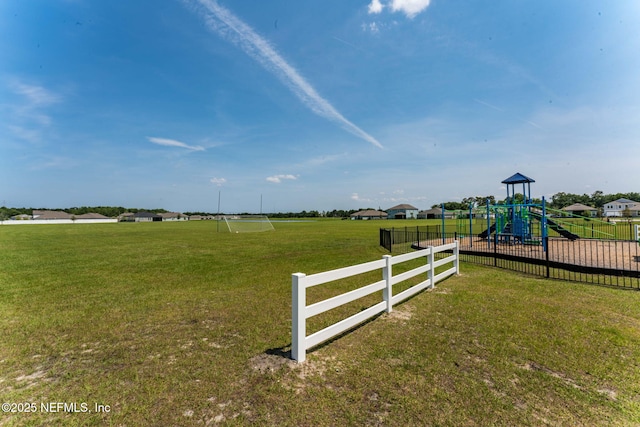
(175, 324)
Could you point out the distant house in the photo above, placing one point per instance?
(173, 216)
(126, 217)
(582, 210)
(617, 208)
(369, 214)
(435, 213)
(146, 217)
(21, 217)
(91, 215)
(203, 217)
(49, 215)
(403, 211)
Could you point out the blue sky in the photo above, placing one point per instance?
(314, 105)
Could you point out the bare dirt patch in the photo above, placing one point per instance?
(267, 363)
(401, 313)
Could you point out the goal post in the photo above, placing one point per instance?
(247, 223)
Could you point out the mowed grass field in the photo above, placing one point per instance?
(175, 324)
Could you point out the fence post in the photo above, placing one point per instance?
(393, 238)
(387, 274)
(431, 267)
(456, 253)
(545, 242)
(298, 317)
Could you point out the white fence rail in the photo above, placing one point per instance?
(300, 342)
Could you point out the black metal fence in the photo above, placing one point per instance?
(598, 261)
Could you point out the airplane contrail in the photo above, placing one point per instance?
(230, 27)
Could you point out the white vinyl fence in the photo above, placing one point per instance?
(58, 221)
(300, 342)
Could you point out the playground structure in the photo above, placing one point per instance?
(520, 220)
(525, 235)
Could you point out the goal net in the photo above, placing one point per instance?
(248, 223)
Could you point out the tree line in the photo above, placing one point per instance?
(558, 201)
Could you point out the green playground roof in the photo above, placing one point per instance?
(517, 178)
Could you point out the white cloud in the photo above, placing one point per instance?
(173, 143)
(375, 6)
(277, 179)
(409, 7)
(230, 27)
(218, 181)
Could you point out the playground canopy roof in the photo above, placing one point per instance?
(517, 179)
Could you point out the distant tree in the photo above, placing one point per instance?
(597, 199)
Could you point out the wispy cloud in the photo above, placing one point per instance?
(174, 143)
(218, 181)
(488, 105)
(37, 95)
(356, 197)
(230, 27)
(321, 160)
(277, 179)
(28, 115)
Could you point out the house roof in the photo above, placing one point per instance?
(434, 211)
(50, 215)
(91, 215)
(170, 214)
(370, 212)
(517, 178)
(579, 207)
(403, 206)
(623, 200)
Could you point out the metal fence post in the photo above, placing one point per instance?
(387, 274)
(298, 317)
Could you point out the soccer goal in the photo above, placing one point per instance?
(248, 223)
